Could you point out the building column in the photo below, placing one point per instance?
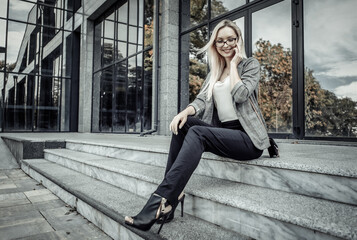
(85, 76)
(169, 56)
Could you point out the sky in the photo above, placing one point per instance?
(330, 32)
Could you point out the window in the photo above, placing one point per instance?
(122, 79)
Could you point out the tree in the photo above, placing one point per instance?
(275, 93)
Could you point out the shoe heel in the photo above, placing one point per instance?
(182, 203)
(163, 222)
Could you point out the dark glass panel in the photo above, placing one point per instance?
(106, 100)
(223, 6)
(52, 17)
(273, 50)
(133, 122)
(147, 94)
(67, 56)
(96, 101)
(330, 68)
(22, 11)
(47, 104)
(149, 23)
(193, 66)
(65, 104)
(48, 34)
(52, 64)
(193, 12)
(133, 12)
(120, 97)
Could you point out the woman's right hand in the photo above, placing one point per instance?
(179, 118)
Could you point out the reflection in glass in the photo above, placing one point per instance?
(15, 35)
(126, 87)
(47, 104)
(106, 100)
(123, 13)
(147, 94)
(22, 11)
(193, 12)
(3, 9)
(220, 7)
(122, 32)
(2, 33)
(149, 23)
(121, 50)
(133, 34)
(330, 68)
(109, 29)
(132, 119)
(193, 66)
(240, 23)
(108, 51)
(273, 50)
(96, 101)
(133, 15)
(18, 102)
(120, 98)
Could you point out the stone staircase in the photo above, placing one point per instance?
(310, 192)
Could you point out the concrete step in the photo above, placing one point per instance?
(327, 172)
(254, 211)
(106, 205)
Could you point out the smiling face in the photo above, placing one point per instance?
(228, 37)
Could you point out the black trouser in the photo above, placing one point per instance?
(186, 149)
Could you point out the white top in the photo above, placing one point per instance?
(224, 101)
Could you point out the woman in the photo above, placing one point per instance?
(228, 123)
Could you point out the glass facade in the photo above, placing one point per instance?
(122, 78)
(329, 78)
(330, 68)
(34, 71)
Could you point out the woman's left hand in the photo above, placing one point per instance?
(237, 58)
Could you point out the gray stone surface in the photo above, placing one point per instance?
(8, 161)
(117, 203)
(275, 204)
(30, 211)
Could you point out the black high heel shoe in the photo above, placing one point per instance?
(181, 199)
(156, 207)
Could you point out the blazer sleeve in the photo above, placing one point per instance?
(249, 81)
(199, 103)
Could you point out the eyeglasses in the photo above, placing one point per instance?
(229, 41)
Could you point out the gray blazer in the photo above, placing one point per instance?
(244, 95)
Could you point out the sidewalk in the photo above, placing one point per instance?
(30, 211)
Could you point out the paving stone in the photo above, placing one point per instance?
(7, 186)
(40, 195)
(26, 229)
(31, 207)
(12, 199)
(20, 218)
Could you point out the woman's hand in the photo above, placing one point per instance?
(237, 58)
(179, 118)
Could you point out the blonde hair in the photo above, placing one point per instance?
(215, 61)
